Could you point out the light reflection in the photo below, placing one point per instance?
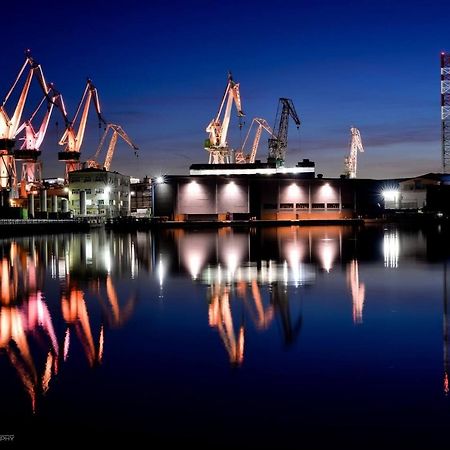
(391, 249)
(357, 290)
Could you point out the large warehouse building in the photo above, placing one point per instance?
(296, 195)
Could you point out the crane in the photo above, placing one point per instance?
(278, 144)
(262, 124)
(117, 131)
(216, 144)
(32, 140)
(9, 125)
(355, 146)
(73, 139)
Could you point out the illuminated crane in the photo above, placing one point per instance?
(262, 125)
(355, 145)
(30, 148)
(117, 131)
(216, 144)
(9, 125)
(73, 139)
(278, 144)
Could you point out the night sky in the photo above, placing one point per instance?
(161, 67)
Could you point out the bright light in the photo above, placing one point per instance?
(390, 195)
(107, 190)
(159, 180)
(327, 190)
(66, 189)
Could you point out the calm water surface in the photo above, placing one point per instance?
(272, 337)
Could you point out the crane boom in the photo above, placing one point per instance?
(355, 146)
(278, 145)
(117, 131)
(9, 126)
(217, 144)
(71, 139)
(262, 125)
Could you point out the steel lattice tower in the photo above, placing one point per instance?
(445, 110)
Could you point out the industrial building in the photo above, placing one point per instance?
(279, 196)
(98, 192)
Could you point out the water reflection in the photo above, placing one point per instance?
(85, 266)
(264, 301)
(249, 283)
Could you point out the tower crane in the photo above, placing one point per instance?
(278, 144)
(73, 139)
(262, 125)
(32, 140)
(117, 131)
(9, 125)
(355, 146)
(216, 144)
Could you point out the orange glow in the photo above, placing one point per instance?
(446, 383)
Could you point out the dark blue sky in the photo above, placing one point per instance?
(160, 69)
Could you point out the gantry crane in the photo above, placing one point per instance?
(355, 146)
(73, 139)
(117, 131)
(278, 144)
(216, 144)
(240, 156)
(9, 125)
(32, 140)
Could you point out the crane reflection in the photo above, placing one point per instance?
(87, 267)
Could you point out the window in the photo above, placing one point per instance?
(302, 205)
(88, 191)
(318, 205)
(74, 179)
(286, 206)
(270, 206)
(101, 202)
(111, 202)
(75, 191)
(87, 179)
(97, 178)
(99, 191)
(333, 205)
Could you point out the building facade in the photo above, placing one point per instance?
(141, 197)
(97, 192)
(265, 197)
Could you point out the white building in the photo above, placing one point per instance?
(97, 192)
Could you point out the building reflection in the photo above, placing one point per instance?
(87, 268)
(251, 277)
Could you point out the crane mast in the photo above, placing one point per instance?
(278, 144)
(355, 146)
(241, 158)
(117, 131)
(9, 125)
(73, 139)
(216, 144)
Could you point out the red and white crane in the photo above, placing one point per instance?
(241, 157)
(355, 146)
(9, 125)
(73, 139)
(216, 144)
(117, 131)
(32, 140)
